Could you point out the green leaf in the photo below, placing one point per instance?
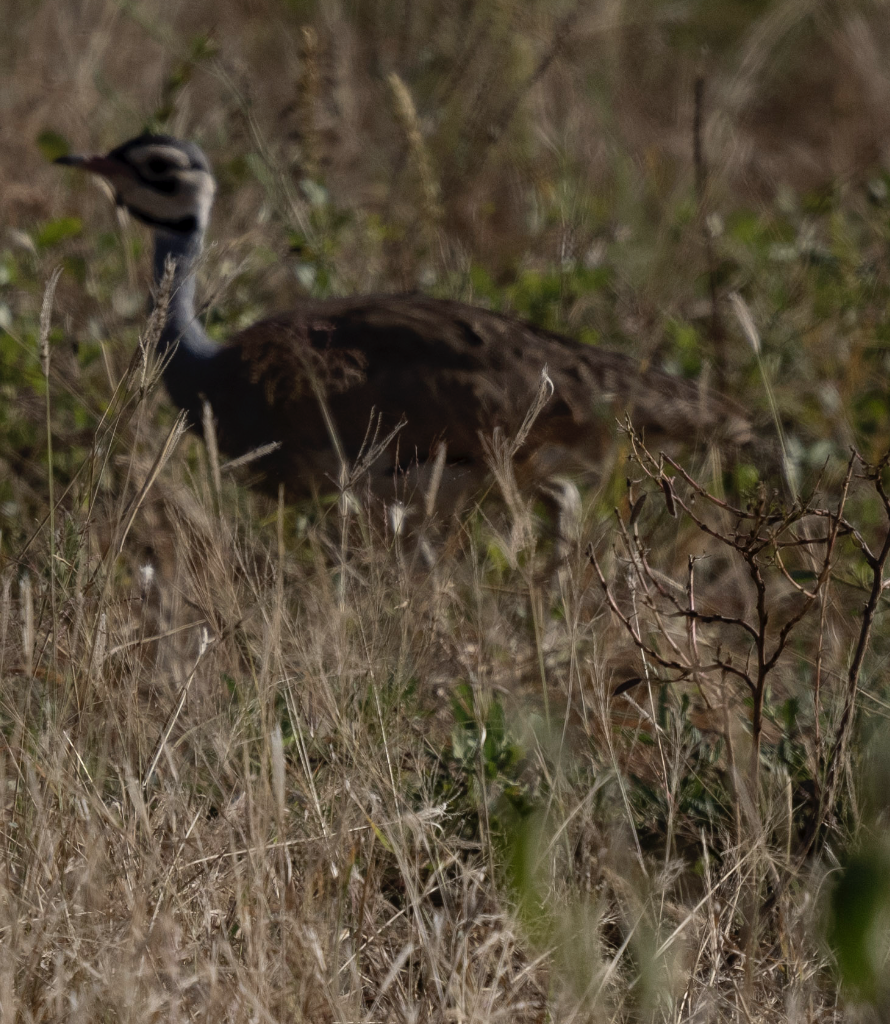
(56, 231)
(860, 904)
(52, 145)
(462, 705)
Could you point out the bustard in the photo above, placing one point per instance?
(453, 372)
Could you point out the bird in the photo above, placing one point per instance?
(436, 377)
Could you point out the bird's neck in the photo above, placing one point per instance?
(182, 327)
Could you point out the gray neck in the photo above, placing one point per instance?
(182, 324)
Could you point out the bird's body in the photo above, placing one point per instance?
(312, 379)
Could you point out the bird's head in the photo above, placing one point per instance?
(164, 182)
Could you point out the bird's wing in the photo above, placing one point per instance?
(452, 371)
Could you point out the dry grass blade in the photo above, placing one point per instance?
(176, 712)
(174, 435)
(542, 397)
(373, 447)
(150, 365)
(46, 311)
(500, 452)
(749, 328)
(209, 430)
(27, 618)
(245, 460)
(432, 491)
(308, 97)
(406, 113)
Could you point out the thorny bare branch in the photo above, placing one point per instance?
(684, 669)
(766, 538)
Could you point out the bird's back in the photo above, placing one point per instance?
(452, 372)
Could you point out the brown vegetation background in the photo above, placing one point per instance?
(512, 97)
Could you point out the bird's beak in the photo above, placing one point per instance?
(107, 166)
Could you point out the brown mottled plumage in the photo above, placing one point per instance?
(454, 372)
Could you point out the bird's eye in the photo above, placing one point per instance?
(158, 165)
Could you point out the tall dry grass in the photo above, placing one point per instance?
(268, 763)
(281, 767)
